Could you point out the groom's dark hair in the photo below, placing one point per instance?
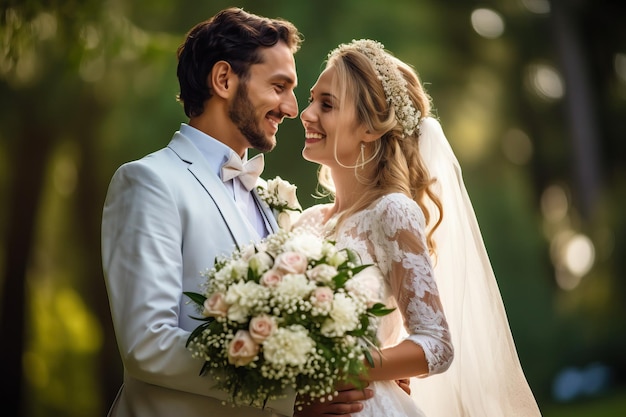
(234, 36)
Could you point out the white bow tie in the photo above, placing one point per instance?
(248, 172)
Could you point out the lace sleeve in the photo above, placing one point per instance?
(405, 263)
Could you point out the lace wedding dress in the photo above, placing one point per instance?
(391, 235)
(485, 379)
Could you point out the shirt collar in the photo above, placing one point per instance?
(214, 151)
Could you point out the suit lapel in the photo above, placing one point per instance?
(266, 211)
(214, 186)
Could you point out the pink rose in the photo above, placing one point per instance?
(271, 278)
(291, 263)
(215, 306)
(322, 297)
(242, 349)
(261, 327)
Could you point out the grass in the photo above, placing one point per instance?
(610, 405)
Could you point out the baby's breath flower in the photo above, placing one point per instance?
(261, 337)
(393, 82)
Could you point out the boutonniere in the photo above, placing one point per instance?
(280, 196)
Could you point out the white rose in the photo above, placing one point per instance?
(305, 243)
(286, 192)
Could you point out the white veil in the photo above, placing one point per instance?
(486, 377)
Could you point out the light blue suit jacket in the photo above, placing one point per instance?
(165, 219)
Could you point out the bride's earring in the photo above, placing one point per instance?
(362, 164)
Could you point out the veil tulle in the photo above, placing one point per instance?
(486, 377)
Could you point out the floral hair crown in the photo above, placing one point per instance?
(393, 82)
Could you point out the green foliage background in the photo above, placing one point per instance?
(86, 86)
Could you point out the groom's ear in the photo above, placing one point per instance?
(222, 80)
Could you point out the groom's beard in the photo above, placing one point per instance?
(242, 114)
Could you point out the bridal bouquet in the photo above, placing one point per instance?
(285, 314)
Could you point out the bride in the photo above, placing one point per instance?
(400, 202)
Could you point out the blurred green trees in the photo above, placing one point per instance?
(532, 103)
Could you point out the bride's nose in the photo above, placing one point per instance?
(307, 115)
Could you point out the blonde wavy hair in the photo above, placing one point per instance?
(398, 165)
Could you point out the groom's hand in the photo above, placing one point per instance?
(347, 401)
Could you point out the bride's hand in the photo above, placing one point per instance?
(347, 401)
(405, 385)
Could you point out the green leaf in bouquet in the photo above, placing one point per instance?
(198, 330)
(379, 310)
(357, 269)
(368, 353)
(196, 297)
(252, 276)
(202, 318)
(341, 278)
(353, 376)
(353, 257)
(205, 369)
(369, 358)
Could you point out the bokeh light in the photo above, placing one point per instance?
(554, 203)
(572, 382)
(578, 254)
(487, 23)
(573, 256)
(537, 6)
(545, 81)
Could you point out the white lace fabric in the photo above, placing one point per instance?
(391, 235)
(485, 379)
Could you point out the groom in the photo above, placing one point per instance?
(168, 215)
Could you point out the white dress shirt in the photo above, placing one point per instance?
(216, 153)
